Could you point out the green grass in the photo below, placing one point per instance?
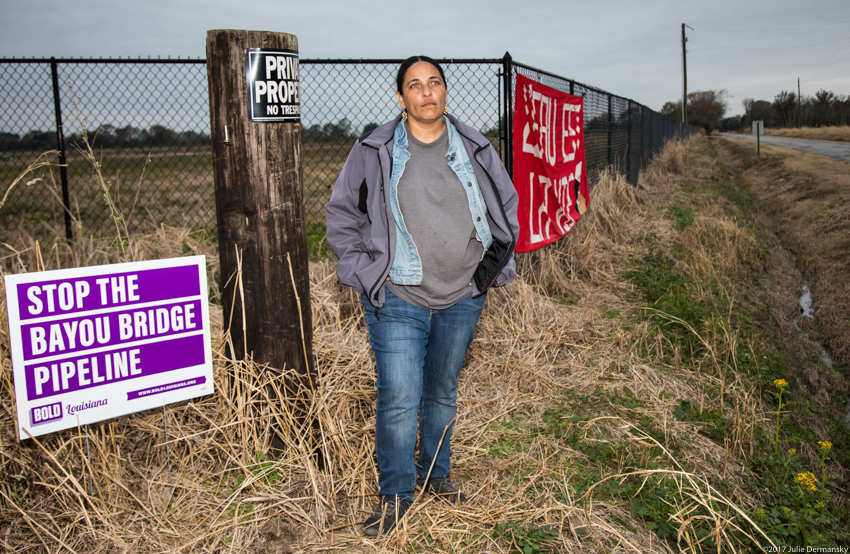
(684, 217)
(526, 539)
(666, 289)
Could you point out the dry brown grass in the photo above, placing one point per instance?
(549, 339)
(840, 133)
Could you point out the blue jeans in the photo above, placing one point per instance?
(419, 353)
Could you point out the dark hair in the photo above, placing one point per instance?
(405, 65)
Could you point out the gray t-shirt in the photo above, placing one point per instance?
(436, 213)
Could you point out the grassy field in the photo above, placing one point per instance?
(646, 385)
(151, 186)
(840, 133)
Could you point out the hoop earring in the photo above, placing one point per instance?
(446, 110)
(404, 115)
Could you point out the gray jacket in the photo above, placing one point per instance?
(361, 230)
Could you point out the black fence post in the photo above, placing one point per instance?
(610, 129)
(507, 71)
(629, 144)
(60, 146)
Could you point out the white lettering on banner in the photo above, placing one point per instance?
(541, 221)
(569, 130)
(543, 123)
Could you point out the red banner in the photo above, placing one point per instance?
(549, 170)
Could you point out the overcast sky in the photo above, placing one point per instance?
(750, 48)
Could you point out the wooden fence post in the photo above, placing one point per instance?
(260, 207)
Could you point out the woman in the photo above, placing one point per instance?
(423, 220)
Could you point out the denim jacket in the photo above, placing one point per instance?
(407, 266)
(361, 214)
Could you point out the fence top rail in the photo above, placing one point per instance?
(105, 60)
(582, 85)
(398, 61)
(203, 60)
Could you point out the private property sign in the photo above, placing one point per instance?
(98, 342)
(272, 85)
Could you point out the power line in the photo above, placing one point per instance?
(769, 48)
(818, 74)
(771, 30)
(836, 51)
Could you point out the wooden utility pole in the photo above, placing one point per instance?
(260, 203)
(684, 76)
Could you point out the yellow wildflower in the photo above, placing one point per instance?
(780, 383)
(760, 514)
(807, 480)
(792, 451)
(825, 445)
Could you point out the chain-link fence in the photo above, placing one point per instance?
(618, 132)
(147, 124)
(340, 99)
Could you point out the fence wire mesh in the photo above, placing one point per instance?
(343, 98)
(147, 123)
(618, 132)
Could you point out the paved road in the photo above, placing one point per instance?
(836, 150)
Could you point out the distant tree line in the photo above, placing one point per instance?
(110, 136)
(706, 110)
(824, 109)
(105, 136)
(342, 129)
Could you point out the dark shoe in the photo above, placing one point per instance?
(442, 488)
(389, 512)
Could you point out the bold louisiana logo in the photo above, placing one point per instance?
(46, 414)
(550, 174)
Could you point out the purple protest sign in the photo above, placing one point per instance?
(95, 370)
(84, 294)
(74, 334)
(94, 343)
